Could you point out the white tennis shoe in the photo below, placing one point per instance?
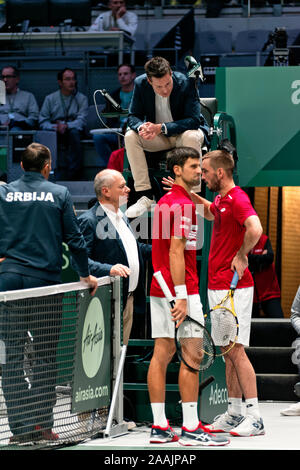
(224, 423)
(292, 410)
(250, 426)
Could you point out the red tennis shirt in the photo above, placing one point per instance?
(230, 213)
(174, 216)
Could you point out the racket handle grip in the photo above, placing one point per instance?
(234, 281)
(164, 287)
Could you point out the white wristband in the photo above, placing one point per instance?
(181, 292)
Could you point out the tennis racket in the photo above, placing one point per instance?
(194, 344)
(222, 321)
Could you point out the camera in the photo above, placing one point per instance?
(278, 38)
(279, 55)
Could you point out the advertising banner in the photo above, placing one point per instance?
(92, 374)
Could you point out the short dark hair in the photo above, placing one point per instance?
(179, 156)
(35, 156)
(157, 67)
(220, 159)
(60, 74)
(132, 67)
(16, 71)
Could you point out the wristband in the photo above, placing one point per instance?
(181, 292)
(164, 129)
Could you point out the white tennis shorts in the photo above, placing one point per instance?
(243, 302)
(161, 318)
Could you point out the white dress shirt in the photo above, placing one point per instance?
(162, 109)
(105, 21)
(129, 242)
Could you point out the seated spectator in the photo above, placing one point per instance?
(65, 112)
(266, 287)
(21, 111)
(117, 19)
(108, 142)
(164, 113)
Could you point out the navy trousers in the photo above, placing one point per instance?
(29, 399)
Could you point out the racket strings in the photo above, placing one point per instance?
(195, 346)
(224, 327)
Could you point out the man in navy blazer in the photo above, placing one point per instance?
(164, 113)
(111, 244)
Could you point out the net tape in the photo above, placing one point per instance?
(37, 349)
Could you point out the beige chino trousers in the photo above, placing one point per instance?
(136, 145)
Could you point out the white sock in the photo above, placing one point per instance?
(190, 415)
(234, 406)
(159, 416)
(252, 407)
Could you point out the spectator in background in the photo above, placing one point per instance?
(266, 287)
(21, 111)
(65, 112)
(117, 19)
(106, 143)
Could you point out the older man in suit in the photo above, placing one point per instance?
(112, 246)
(164, 113)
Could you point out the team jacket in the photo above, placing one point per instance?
(263, 271)
(36, 217)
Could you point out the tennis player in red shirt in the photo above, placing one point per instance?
(174, 243)
(236, 231)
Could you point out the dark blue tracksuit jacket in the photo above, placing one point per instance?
(36, 217)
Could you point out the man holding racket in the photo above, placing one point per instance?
(174, 254)
(236, 231)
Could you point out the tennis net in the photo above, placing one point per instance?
(38, 353)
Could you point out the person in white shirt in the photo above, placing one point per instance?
(112, 246)
(117, 19)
